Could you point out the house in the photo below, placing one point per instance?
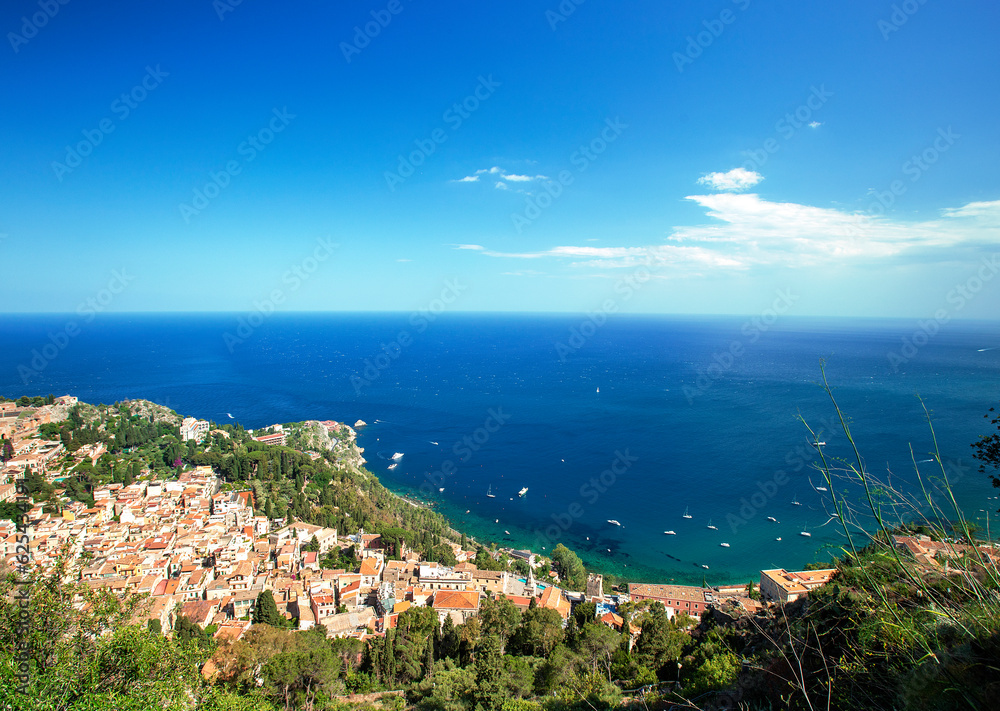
(782, 586)
(323, 606)
(553, 598)
(371, 571)
(460, 605)
(689, 599)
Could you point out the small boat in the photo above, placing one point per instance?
(795, 501)
(778, 538)
(497, 521)
(523, 491)
(441, 489)
(392, 466)
(704, 566)
(714, 528)
(489, 493)
(507, 532)
(613, 522)
(724, 545)
(772, 519)
(434, 443)
(821, 488)
(670, 533)
(817, 445)
(397, 456)
(598, 390)
(805, 532)
(686, 514)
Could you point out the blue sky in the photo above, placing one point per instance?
(685, 157)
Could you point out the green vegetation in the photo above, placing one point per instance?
(888, 632)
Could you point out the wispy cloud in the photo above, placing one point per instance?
(748, 232)
(735, 180)
(502, 174)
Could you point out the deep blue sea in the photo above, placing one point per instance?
(636, 420)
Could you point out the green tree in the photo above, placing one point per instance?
(540, 631)
(499, 617)
(570, 567)
(596, 644)
(489, 693)
(265, 610)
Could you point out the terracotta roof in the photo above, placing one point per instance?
(456, 600)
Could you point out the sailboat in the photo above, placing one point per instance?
(489, 493)
(805, 532)
(795, 501)
(714, 528)
(686, 514)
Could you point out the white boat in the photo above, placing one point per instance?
(820, 488)
(397, 456)
(704, 566)
(670, 533)
(772, 519)
(613, 522)
(523, 491)
(714, 528)
(441, 489)
(507, 532)
(686, 514)
(795, 501)
(598, 390)
(489, 493)
(778, 538)
(392, 466)
(806, 534)
(818, 444)
(724, 545)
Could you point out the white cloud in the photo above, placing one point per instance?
(736, 179)
(501, 185)
(404, 260)
(748, 232)
(502, 174)
(815, 124)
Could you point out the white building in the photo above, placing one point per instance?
(193, 429)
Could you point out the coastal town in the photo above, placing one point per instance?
(196, 548)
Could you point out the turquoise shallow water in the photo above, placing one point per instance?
(634, 421)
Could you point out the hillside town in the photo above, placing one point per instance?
(204, 552)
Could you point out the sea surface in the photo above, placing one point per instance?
(638, 419)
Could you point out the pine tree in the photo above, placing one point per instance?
(489, 665)
(429, 657)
